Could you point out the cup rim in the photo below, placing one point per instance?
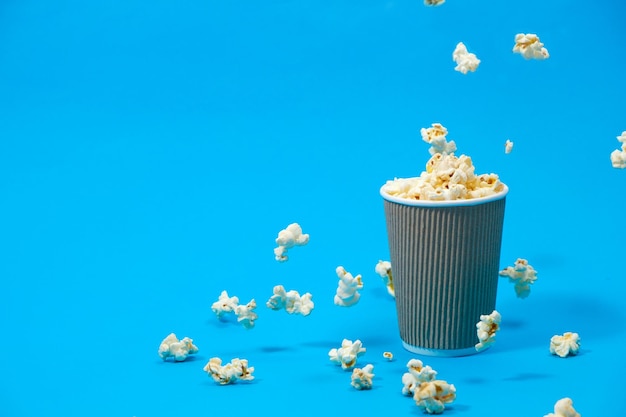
(445, 203)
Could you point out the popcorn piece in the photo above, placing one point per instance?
(245, 314)
(508, 146)
(224, 305)
(618, 157)
(434, 2)
(291, 301)
(347, 354)
(564, 408)
(433, 396)
(565, 345)
(383, 268)
(522, 274)
(388, 356)
(465, 61)
(486, 329)
(418, 373)
(287, 239)
(347, 292)
(178, 349)
(362, 377)
(436, 137)
(530, 47)
(230, 373)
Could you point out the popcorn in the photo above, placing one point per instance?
(383, 268)
(224, 305)
(618, 157)
(434, 2)
(245, 314)
(465, 61)
(529, 46)
(347, 292)
(433, 396)
(230, 373)
(287, 239)
(508, 146)
(388, 356)
(436, 137)
(522, 274)
(418, 373)
(362, 377)
(178, 349)
(486, 329)
(565, 345)
(291, 301)
(564, 408)
(347, 354)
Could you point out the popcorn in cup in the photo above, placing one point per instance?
(445, 232)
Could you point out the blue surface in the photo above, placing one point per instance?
(151, 151)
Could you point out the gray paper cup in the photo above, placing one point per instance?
(445, 259)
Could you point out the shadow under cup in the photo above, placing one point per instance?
(445, 259)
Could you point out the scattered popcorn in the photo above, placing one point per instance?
(232, 372)
(291, 301)
(565, 345)
(433, 396)
(178, 349)
(529, 46)
(618, 157)
(224, 305)
(522, 274)
(287, 239)
(434, 2)
(564, 408)
(418, 373)
(383, 268)
(245, 314)
(465, 61)
(362, 377)
(388, 356)
(436, 137)
(486, 329)
(347, 292)
(508, 146)
(347, 354)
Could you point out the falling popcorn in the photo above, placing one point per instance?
(564, 408)
(522, 275)
(436, 137)
(618, 157)
(486, 329)
(246, 315)
(508, 146)
(530, 47)
(434, 2)
(224, 305)
(362, 377)
(417, 373)
(383, 268)
(465, 61)
(287, 239)
(177, 349)
(230, 373)
(291, 301)
(565, 345)
(347, 354)
(347, 292)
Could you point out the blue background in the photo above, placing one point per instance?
(150, 152)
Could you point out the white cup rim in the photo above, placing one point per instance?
(445, 203)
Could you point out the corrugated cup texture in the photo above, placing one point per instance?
(445, 264)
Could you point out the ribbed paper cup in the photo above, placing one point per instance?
(445, 259)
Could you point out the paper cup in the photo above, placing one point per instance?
(445, 259)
